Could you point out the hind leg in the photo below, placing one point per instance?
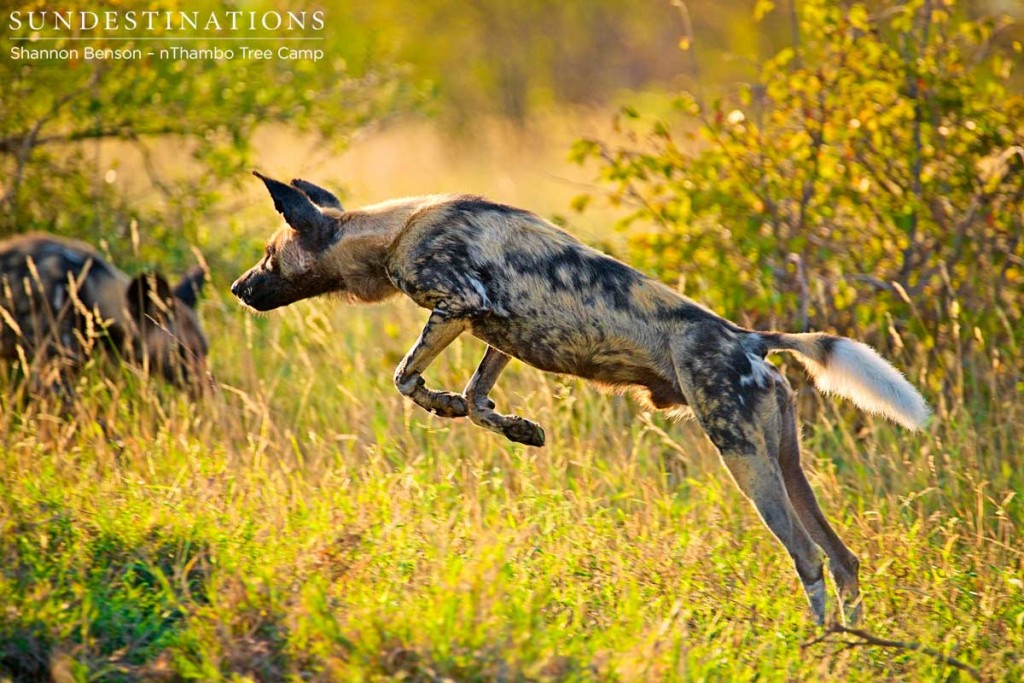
(843, 564)
(740, 436)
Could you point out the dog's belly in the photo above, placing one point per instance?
(552, 348)
(585, 349)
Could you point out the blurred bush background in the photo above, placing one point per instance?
(833, 165)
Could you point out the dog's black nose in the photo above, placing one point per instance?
(236, 287)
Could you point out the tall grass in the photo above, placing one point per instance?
(309, 523)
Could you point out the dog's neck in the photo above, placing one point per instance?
(358, 258)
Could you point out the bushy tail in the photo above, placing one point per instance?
(854, 370)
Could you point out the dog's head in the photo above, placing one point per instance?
(293, 266)
(170, 337)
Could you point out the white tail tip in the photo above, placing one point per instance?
(856, 371)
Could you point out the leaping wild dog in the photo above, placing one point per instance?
(534, 292)
(60, 300)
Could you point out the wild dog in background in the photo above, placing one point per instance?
(533, 292)
(60, 301)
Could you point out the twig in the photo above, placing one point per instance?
(684, 13)
(124, 129)
(867, 639)
(150, 166)
(913, 92)
(803, 291)
(817, 142)
(630, 192)
(875, 282)
(794, 27)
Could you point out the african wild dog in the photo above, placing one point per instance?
(60, 300)
(533, 292)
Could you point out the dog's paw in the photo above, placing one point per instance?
(853, 615)
(524, 431)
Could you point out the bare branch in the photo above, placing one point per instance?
(913, 92)
(867, 639)
(28, 142)
(794, 27)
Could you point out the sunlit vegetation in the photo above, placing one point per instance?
(308, 523)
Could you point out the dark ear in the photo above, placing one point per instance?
(321, 197)
(149, 298)
(298, 211)
(191, 284)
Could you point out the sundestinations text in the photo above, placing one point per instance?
(164, 20)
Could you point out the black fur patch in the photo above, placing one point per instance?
(688, 312)
(828, 344)
(474, 204)
(576, 269)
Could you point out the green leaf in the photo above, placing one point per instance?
(580, 202)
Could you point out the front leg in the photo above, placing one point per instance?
(441, 330)
(481, 408)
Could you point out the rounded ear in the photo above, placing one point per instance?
(298, 211)
(321, 197)
(190, 286)
(149, 298)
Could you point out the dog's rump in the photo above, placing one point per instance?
(47, 285)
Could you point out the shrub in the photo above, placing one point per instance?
(869, 179)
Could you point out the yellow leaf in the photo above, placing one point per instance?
(762, 8)
(859, 17)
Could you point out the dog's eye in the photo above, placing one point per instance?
(270, 260)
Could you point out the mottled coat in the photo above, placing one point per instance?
(60, 301)
(533, 292)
